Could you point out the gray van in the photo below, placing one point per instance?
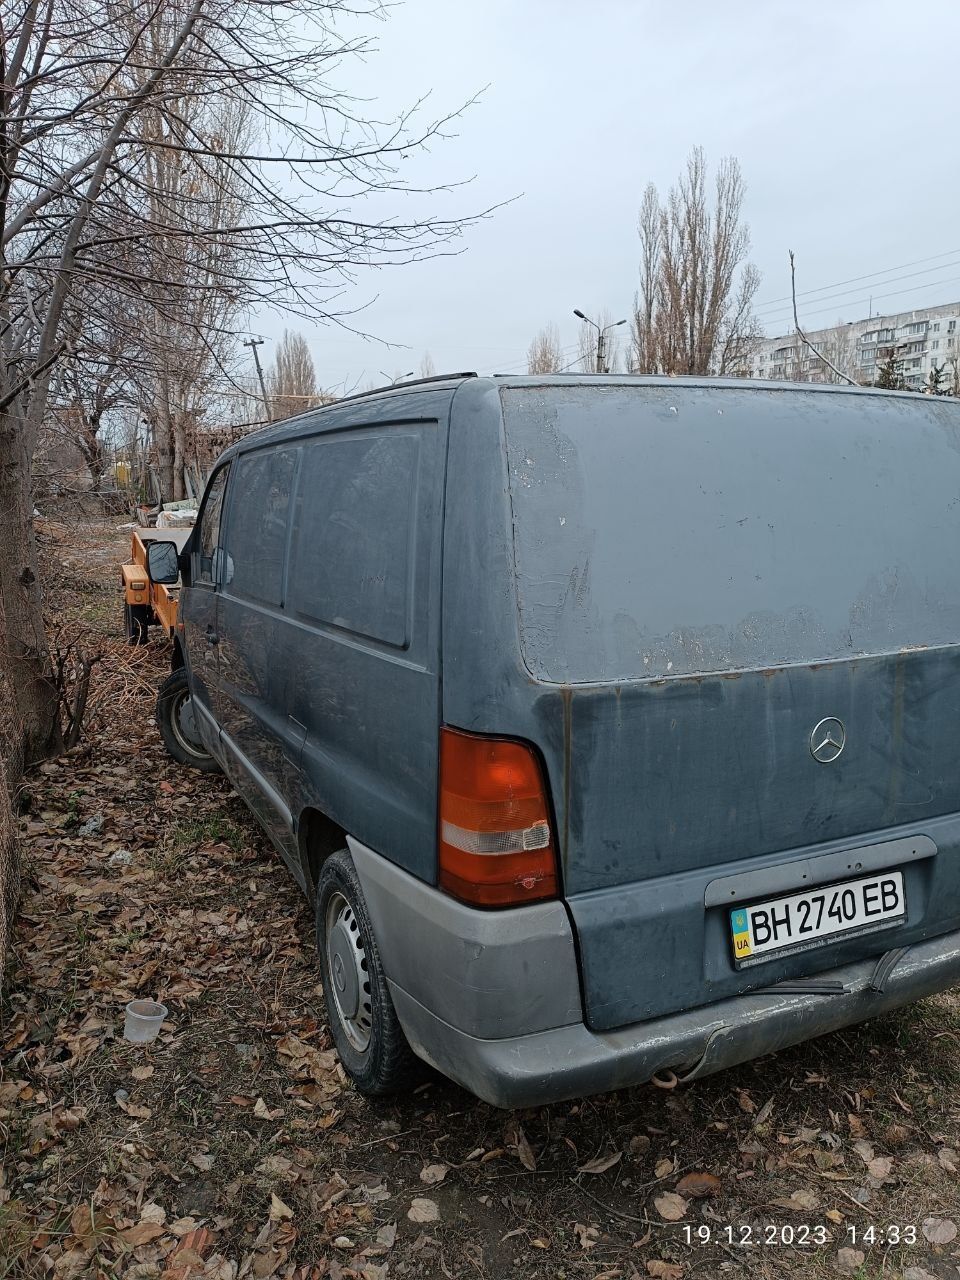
(611, 723)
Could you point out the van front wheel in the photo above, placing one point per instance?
(173, 698)
(364, 1025)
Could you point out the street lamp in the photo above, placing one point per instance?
(401, 377)
(601, 352)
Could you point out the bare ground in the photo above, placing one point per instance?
(235, 1147)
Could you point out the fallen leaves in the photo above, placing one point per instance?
(387, 1235)
(670, 1206)
(422, 1210)
(939, 1230)
(600, 1164)
(879, 1167)
(660, 1270)
(263, 1112)
(278, 1210)
(515, 1141)
(864, 1150)
(803, 1200)
(587, 1237)
(134, 1110)
(189, 1255)
(850, 1260)
(304, 1062)
(141, 1233)
(699, 1185)
(432, 1174)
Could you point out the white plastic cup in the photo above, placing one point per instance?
(143, 1020)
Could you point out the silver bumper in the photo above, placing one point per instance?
(492, 999)
(571, 1062)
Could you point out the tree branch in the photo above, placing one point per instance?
(802, 336)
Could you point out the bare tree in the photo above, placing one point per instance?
(694, 309)
(545, 353)
(840, 352)
(95, 381)
(645, 357)
(427, 368)
(190, 301)
(91, 97)
(291, 381)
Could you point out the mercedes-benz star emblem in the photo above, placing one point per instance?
(828, 739)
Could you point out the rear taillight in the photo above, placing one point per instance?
(496, 845)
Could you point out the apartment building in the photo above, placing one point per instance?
(916, 340)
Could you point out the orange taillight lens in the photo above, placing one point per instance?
(496, 845)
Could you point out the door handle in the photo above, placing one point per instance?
(212, 637)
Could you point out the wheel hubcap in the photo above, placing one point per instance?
(347, 966)
(184, 726)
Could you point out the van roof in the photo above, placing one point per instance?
(450, 381)
(441, 380)
(692, 380)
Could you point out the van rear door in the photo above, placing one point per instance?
(740, 607)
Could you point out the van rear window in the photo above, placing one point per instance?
(663, 531)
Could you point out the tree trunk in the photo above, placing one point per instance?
(24, 661)
(163, 436)
(179, 455)
(11, 762)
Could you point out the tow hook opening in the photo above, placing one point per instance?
(664, 1079)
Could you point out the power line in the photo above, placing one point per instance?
(855, 279)
(881, 296)
(836, 297)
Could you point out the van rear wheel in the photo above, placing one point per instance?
(363, 1022)
(173, 700)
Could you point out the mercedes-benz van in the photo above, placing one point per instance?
(612, 724)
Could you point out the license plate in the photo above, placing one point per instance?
(808, 919)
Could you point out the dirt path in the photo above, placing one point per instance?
(234, 1147)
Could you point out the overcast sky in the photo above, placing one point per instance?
(841, 113)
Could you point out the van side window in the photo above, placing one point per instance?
(205, 561)
(257, 532)
(353, 531)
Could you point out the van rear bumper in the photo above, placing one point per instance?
(571, 1061)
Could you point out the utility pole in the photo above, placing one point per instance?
(253, 343)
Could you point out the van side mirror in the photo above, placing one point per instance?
(162, 567)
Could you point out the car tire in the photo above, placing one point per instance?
(135, 624)
(172, 694)
(363, 1022)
